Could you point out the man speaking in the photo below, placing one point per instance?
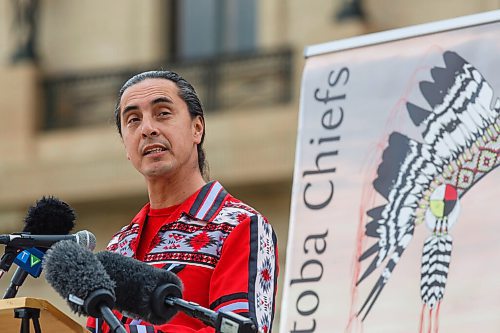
(223, 250)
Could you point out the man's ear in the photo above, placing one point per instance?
(198, 129)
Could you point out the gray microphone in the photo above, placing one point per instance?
(25, 240)
(154, 295)
(76, 274)
(136, 283)
(83, 238)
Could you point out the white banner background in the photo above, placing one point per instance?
(351, 101)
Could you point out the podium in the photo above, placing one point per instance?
(51, 319)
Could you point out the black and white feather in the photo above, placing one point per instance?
(436, 257)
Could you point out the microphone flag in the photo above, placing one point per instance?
(30, 260)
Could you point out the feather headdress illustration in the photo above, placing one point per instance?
(423, 181)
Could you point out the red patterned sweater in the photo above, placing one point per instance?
(224, 252)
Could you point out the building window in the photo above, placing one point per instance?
(211, 28)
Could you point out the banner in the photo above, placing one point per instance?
(394, 220)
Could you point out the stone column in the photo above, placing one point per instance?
(19, 113)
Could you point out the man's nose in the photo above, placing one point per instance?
(149, 128)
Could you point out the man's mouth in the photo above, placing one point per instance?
(153, 149)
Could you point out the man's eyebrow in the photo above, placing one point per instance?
(129, 108)
(162, 100)
(158, 100)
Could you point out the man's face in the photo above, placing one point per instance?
(159, 134)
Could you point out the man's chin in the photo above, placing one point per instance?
(157, 172)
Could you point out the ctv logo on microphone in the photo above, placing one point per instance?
(30, 260)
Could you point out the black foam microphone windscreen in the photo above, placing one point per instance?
(136, 283)
(49, 216)
(75, 273)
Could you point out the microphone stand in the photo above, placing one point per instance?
(15, 283)
(27, 314)
(98, 304)
(7, 259)
(25, 267)
(223, 322)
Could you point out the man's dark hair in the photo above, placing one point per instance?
(186, 92)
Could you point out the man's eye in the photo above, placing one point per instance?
(132, 120)
(163, 113)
